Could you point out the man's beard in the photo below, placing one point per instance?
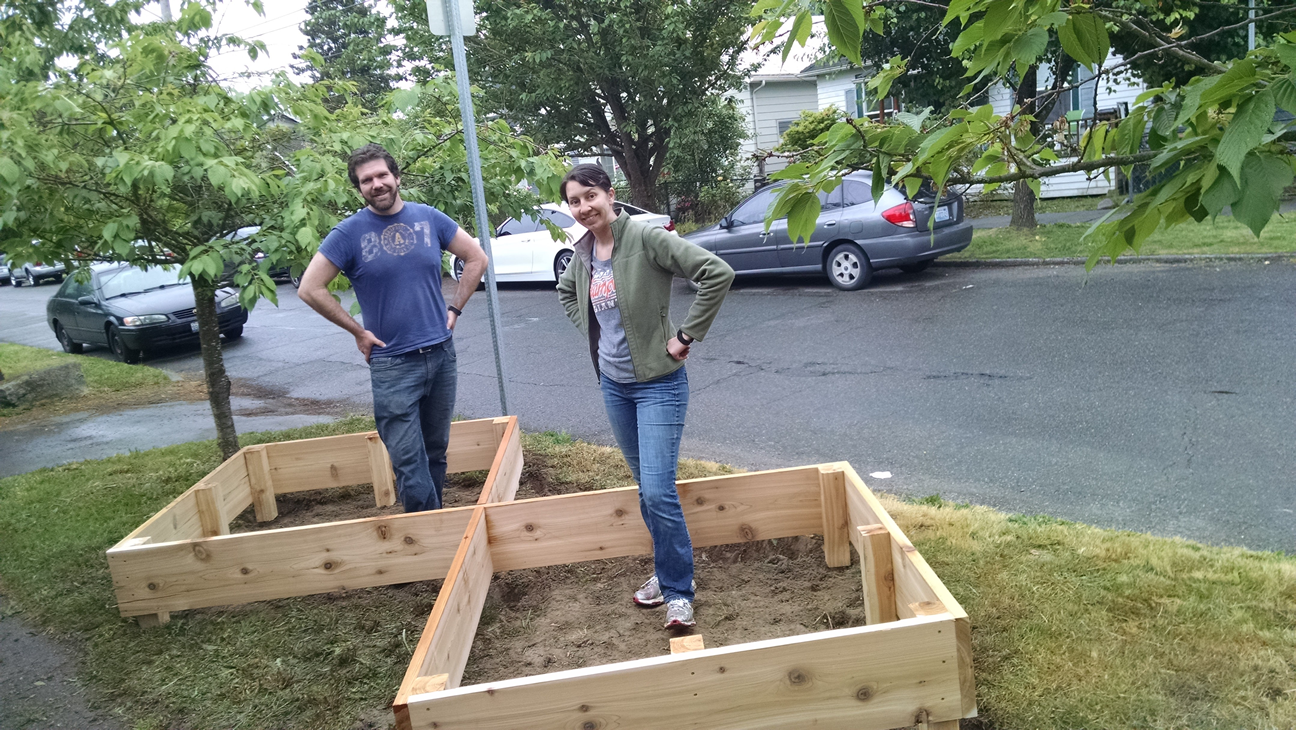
(376, 204)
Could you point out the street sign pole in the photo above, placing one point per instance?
(454, 25)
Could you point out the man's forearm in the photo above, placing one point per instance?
(324, 303)
(468, 281)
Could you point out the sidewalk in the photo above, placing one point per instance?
(1082, 216)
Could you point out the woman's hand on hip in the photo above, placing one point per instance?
(677, 349)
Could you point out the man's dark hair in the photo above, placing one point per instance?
(589, 175)
(369, 153)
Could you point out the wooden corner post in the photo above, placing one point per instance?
(263, 496)
(380, 466)
(832, 500)
(878, 574)
(210, 518)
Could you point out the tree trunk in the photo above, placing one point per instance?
(218, 383)
(643, 183)
(1023, 213)
(1023, 209)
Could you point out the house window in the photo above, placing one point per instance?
(861, 104)
(783, 125)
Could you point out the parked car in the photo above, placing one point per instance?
(524, 250)
(279, 272)
(5, 277)
(132, 310)
(855, 234)
(33, 273)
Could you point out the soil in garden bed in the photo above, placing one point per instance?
(563, 617)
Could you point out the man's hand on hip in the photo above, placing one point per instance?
(366, 341)
(451, 318)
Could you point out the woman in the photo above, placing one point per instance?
(617, 293)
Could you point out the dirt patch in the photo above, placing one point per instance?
(563, 617)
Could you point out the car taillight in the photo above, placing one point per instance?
(901, 215)
(670, 224)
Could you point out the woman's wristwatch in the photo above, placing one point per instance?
(683, 338)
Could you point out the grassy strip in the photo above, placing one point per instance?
(986, 207)
(100, 375)
(1074, 627)
(1223, 236)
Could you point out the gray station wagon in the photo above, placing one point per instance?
(855, 234)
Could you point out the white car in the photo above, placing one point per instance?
(525, 250)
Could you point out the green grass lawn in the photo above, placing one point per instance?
(986, 207)
(1061, 240)
(100, 375)
(1073, 626)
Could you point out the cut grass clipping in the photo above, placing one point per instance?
(1073, 626)
(1062, 240)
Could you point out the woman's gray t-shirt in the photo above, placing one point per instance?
(613, 350)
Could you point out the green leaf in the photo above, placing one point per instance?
(1263, 180)
(1284, 92)
(1222, 192)
(1029, 46)
(1084, 38)
(803, 217)
(844, 20)
(1249, 124)
(9, 171)
(799, 34)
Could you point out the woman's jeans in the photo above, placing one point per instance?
(414, 396)
(648, 421)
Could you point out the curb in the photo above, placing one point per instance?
(1077, 261)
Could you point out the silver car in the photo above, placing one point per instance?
(34, 272)
(4, 270)
(855, 234)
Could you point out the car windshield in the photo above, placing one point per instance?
(129, 280)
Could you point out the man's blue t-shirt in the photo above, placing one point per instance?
(394, 263)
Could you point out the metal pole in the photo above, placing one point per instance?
(1251, 25)
(475, 178)
(165, 7)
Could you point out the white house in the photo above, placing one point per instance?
(774, 96)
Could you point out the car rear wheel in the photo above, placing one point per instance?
(917, 268)
(128, 355)
(296, 280)
(848, 268)
(233, 334)
(457, 269)
(65, 340)
(561, 262)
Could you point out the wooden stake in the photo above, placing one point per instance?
(836, 535)
(380, 467)
(878, 574)
(926, 723)
(154, 620)
(209, 511)
(263, 496)
(685, 644)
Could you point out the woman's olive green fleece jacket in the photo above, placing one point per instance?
(645, 258)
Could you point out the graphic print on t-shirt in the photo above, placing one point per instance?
(397, 239)
(602, 290)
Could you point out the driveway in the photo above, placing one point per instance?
(1145, 397)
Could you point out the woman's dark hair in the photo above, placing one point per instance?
(369, 153)
(587, 174)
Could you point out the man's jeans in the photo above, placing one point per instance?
(648, 421)
(414, 396)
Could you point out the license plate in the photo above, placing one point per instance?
(943, 214)
(193, 326)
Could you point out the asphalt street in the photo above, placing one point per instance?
(1153, 398)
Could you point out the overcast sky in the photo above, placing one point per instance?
(279, 28)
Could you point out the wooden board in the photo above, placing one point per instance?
(573, 528)
(506, 470)
(867, 678)
(341, 461)
(915, 581)
(294, 561)
(448, 636)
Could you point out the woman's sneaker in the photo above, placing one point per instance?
(649, 594)
(679, 613)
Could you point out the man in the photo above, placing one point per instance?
(391, 252)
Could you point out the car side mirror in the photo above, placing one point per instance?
(726, 223)
(88, 301)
